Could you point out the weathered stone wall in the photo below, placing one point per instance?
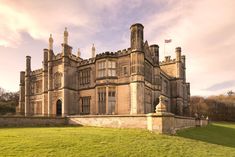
(123, 99)
(165, 123)
(184, 122)
(31, 121)
(114, 121)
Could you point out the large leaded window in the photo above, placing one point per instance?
(111, 100)
(85, 105)
(111, 68)
(102, 100)
(85, 76)
(101, 68)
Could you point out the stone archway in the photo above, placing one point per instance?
(59, 108)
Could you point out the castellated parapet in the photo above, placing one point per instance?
(128, 81)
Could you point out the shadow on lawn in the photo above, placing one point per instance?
(215, 133)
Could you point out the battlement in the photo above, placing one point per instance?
(123, 52)
(36, 72)
(106, 54)
(168, 60)
(86, 61)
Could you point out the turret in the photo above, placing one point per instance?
(178, 54)
(50, 47)
(67, 50)
(28, 65)
(137, 55)
(93, 51)
(27, 85)
(178, 62)
(183, 60)
(155, 50)
(184, 67)
(137, 69)
(45, 59)
(79, 53)
(22, 92)
(66, 34)
(137, 37)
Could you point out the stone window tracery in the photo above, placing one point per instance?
(111, 68)
(101, 68)
(85, 104)
(85, 76)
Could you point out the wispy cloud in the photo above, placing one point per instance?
(222, 85)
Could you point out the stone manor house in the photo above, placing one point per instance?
(128, 81)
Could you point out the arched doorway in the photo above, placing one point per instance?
(58, 108)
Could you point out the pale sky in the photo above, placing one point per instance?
(205, 29)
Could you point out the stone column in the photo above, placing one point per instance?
(22, 93)
(27, 85)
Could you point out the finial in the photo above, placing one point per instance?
(79, 52)
(161, 107)
(50, 42)
(93, 50)
(66, 34)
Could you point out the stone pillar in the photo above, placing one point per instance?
(161, 121)
(178, 62)
(155, 51)
(27, 85)
(49, 82)
(93, 51)
(44, 82)
(22, 93)
(65, 84)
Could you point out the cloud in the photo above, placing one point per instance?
(222, 85)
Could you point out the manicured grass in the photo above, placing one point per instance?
(217, 139)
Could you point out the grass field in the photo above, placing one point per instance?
(217, 139)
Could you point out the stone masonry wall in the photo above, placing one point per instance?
(31, 121)
(114, 121)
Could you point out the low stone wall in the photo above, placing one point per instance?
(112, 121)
(31, 121)
(183, 122)
(165, 123)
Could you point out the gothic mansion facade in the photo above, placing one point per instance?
(123, 82)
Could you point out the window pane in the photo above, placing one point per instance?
(113, 64)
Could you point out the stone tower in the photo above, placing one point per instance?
(93, 51)
(27, 85)
(137, 69)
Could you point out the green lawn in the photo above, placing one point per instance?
(217, 139)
